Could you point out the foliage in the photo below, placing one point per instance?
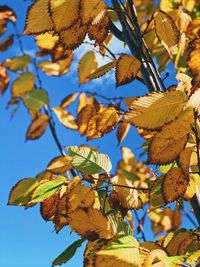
(78, 188)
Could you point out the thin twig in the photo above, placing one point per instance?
(140, 226)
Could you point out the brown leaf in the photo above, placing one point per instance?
(37, 127)
(68, 100)
(6, 13)
(4, 80)
(127, 69)
(49, 206)
(6, 43)
(122, 131)
(184, 160)
(174, 184)
(60, 165)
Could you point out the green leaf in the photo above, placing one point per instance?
(35, 99)
(68, 253)
(89, 161)
(23, 84)
(21, 193)
(45, 190)
(156, 197)
(17, 63)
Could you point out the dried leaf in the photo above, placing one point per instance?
(166, 30)
(167, 144)
(68, 100)
(184, 160)
(37, 127)
(6, 13)
(91, 224)
(127, 68)
(156, 109)
(6, 43)
(4, 80)
(103, 70)
(174, 184)
(87, 65)
(49, 206)
(66, 118)
(122, 131)
(37, 19)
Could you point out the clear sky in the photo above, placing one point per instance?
(26, 240)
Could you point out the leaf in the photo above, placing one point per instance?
(23, 84)
(6, 43)
(37, 127)
(21, 192)
(68, 100)
(156, 109)
(71, 38)
(60, 165)
(4, 80)
(127, 68)
(58, 11)
(18, 63)
(47, 189)
(6, 13)
(89, 161)
(46, 41)
(167, 144)
(122, 131)
(166, 30)
(68, 253)
(103, 70)
(156, 255)
(193, 101)
(87, 65)
(90, 223)
(36, 99)
(66, 118)
(184, 160)
(49, 206)
(92, 11)
(174, 185)
(99, 31)
(156, 197)
(37, 19)
(122, 251)
(54, 68)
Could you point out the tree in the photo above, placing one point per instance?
(79, 187)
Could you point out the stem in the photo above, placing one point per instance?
(140, 226)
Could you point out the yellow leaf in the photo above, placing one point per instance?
(167, 144)
(23, 84)
(66, 118)
(166, 30)
(174, 184)
(67, 101)
(46, 41)
(60, 165)
(108, 120)
(166, 5)
(155, 258)
(127, 68)
(92, 11)
(17, 63)
(37, 19)
(156, 109)
(122, 251)
(191, 189)
(99, 31)
(59, 9)
(189, 4)
(91, 224)
(71, 38)
(84, 116)
(87, 65)
(103, 70)
(184, 160)
(55, 69)
(83, 101)
(122, 131)
(37, 127)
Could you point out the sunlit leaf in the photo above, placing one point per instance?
(46, 41)
(103, 70)
(6, 43)
(166, 30)
(6, 13)
(127, 68)
(37, 19)
(36, 99)
(4, 80)
(37, 127)
(156, 109)
(18, 63)
(87, 65)
(122, 131)
(89, 161)
(68, 100)
(60, 164)
(58, 10)
(66, 118)
(23, 84)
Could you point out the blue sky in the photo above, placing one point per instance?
(26, 240)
